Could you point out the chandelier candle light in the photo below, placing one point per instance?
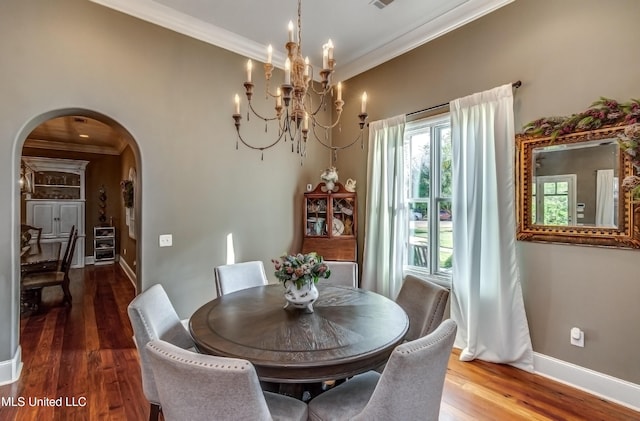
(295, 112)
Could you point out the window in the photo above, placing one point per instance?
(428, 173)
(555, 200)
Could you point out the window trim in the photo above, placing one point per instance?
(436, 197)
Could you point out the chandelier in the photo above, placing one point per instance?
(295, 112)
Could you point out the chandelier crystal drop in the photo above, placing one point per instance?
(295, 112)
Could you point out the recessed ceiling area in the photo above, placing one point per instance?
(77, 133)
(364, 34)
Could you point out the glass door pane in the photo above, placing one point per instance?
(445, 237)
(419, 234)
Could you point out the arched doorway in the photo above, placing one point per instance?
(81, 134)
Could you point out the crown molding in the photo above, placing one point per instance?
(447, 22)
(151, 11)
(169, 18)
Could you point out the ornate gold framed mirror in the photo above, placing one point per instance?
(569, 190)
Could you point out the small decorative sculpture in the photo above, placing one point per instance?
(348, 226)
(350, 185)
(330, 178)
(102, 204)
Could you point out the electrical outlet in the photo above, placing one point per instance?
(577, 337)
(166, 240)
(124, 251)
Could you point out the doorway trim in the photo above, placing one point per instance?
(10, 370)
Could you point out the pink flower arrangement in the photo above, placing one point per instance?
(300, 268)
(602, 113)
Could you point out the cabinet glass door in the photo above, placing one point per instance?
(56, 185)
(316, 216)
(343, 209)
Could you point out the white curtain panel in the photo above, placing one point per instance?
(385, 226)
(604, 198)
(487, 299)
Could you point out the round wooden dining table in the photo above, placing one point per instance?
(350, 331)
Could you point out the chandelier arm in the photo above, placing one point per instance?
(324, 91)
(260, 116)
(269, 94)
(337, 148)
(310, 102)
(259, 148)
(331, 126)
(293, 130)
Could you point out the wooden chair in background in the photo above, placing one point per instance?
(33, 283)
(27, 232)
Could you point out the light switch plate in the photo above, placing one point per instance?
(166, 240)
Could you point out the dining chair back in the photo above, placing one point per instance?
(342, 273)
(153, 317)
(409, 388)
(65, 256)
(203, 387)
(36, 281)
(31, 231)
(237, 276)
(424, 302)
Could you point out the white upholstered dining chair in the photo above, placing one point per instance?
(342, 273)
(153, 317)
(424, 302)
(237, 276)
(200, 387)
(409, 388)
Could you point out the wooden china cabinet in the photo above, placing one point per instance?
(330, 223)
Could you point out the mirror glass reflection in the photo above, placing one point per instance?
(576, 184)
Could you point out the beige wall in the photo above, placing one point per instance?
(567, 54)
(174, 95)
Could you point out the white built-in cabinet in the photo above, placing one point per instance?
(57, 201)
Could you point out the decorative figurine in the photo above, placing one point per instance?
(350, 185)
(330, 178)
(348, 226)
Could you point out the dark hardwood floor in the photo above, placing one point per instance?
(83, 357)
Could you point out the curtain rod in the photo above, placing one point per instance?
(515, 84)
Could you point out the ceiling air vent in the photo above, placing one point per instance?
(381, 4)
(79, 120)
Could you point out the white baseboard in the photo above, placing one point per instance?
(10, 369)
(607, 387)
(131, 274)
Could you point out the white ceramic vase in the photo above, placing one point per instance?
(302, 297)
